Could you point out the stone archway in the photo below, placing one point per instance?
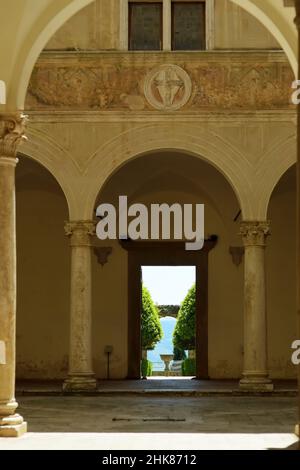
(148, 179)
(190, 141)
(42, 294)
(280, 275)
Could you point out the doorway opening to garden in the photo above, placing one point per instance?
(169, 254)
(168, 322)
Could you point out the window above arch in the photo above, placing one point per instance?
(179, 25)
(145, 25)
(188, 25)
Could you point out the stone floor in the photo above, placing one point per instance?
(155, 386)
(153, 422)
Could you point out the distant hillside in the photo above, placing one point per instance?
(168, 310)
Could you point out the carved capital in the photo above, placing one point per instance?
(12, 134)
(80, 232)
(254, 233)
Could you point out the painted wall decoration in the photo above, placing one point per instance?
(153, 82)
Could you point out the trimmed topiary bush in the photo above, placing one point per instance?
(188, 367)
(152, 331)
(179, 354)
(184, 336)
(146, 368)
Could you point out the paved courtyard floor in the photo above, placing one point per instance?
(155, 386)
(153, 422)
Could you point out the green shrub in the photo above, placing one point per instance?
(184, 336)
(179, 354)
(188, 367)
(151, 327)
(146, 368)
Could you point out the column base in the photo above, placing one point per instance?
(12, 426)
(256, 383)
(297, 430)
(80, 383)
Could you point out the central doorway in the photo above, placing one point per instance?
(159, 253)
(168, 326)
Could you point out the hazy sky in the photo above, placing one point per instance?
(168, 285)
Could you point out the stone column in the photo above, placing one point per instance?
(12, 129)
(297, 21)
(80, 376)
(255, 375)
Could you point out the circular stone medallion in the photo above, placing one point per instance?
(167, 87)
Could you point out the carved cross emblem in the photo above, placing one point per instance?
(168, 84)
(167, 87)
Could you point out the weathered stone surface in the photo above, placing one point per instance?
(81, 376)
(12, 133)
(12, 129)
(255, 374)
(13, 431)
(114, 82)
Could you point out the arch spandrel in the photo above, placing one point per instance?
(204, 145)
(53, 158)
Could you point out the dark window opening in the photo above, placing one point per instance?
(188, 26)
(145, 26)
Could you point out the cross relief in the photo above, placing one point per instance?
(168, 87)
(168, 84)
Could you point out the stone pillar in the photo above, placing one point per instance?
(255, 375)
(297, 21)
(12, 129)
(80, 376)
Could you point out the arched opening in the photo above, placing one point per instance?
(280, 272)
(170, 177)
(42, 275)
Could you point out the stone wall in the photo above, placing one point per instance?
(97, 27)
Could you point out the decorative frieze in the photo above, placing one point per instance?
(150, 82)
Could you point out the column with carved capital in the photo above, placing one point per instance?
(255, 374)
(80, 376)
(297, 21)
(12, 128)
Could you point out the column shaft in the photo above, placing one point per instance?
(80, 376)
(11, 133)
(255, 374)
